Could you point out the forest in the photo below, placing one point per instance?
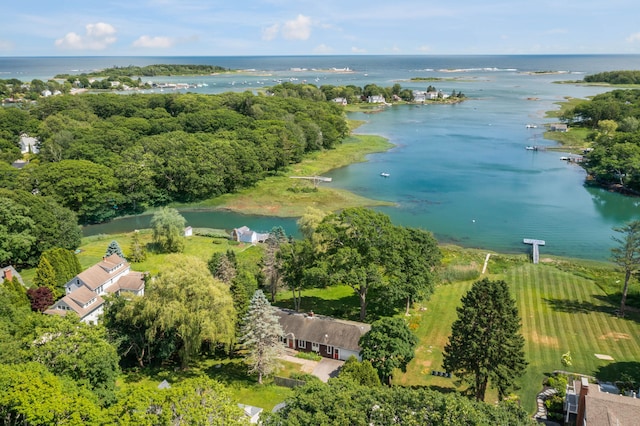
(614, 77)
(613, 123)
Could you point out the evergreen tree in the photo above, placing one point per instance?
(363, 373)
(627, 255)
(390, 344)
(65, 265)
(114, 247)
(221, 267)
(46, 276)
(137, 250)
(485, 345)
(261, 337)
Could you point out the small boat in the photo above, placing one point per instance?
(531, 126)
(383, 174)
(531, 148)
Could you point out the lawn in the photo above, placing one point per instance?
(560, 311)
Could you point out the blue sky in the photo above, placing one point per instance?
(319, 27)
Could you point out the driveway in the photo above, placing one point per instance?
(327, 368)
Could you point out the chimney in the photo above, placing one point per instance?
(7, 274)
(584, 391)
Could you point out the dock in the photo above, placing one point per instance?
(536, 250)
(316, 179)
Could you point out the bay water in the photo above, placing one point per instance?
(460, 170)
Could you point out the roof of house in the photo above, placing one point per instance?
(603, 408)
(322, 329)
(133, 281)
(76, 301)
(11, 271)
(102, 272)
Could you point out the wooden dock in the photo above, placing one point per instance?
(315, 179)
(536, 251)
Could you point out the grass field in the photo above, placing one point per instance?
(560, 311)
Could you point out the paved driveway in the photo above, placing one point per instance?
(327, 368)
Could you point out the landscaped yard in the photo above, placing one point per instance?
(560, 311)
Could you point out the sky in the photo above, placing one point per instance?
(319, 27)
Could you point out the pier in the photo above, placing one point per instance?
(536, 251)
(316, 179)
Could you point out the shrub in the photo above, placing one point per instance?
(309, 355)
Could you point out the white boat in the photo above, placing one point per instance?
(531, 126)
(383, 174)
(531, 148)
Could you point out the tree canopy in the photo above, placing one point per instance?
(485, 345)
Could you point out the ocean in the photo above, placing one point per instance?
(460, 171)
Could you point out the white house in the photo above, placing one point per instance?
(376, 99)
(83, 292)
(251, 413)
(28, 144)
(341, 101)
(188, 231)
(246, 235)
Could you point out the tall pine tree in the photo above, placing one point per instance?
(261, 334)
(114, 247)
(485, 345)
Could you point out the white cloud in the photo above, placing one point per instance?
(146, 41)
(358, 50)
(323, 49)
(6, 45)
(97, 37)
(271, 32)
(297, 29)
(634, 38)
(424, 48)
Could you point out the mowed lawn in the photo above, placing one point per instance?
(560, 312)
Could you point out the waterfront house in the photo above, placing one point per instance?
(376, 99)
(246, 235)
(326, 336)
(558, 127)
(84, 292)
(340, 101)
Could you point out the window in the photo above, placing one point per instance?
(315, 346)
(302, 344)
(329, 350)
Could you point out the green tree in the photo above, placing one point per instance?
(46, 276)
(358, 245)
(168, 228)
(390, 344)
(79, 351)
(222, 267)
(16, 233)
(137, 250)
(485, 345)
(31, 395)
(627, 255)
(187, 302)
(65, 266)
(193, 401)
(261, 334)
(363, 373)
(114, 247)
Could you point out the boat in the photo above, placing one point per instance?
(383, 174)
(531, 148)
(531, 126)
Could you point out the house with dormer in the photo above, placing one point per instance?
(113, 275)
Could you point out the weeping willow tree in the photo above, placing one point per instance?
(187, 301)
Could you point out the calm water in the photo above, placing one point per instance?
(460, 171)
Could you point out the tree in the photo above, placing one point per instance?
(485, 345)
(363, 373)
(79, 351)
(187, 302)
(168, 228)
(222, 267)
(627, 255)
(46, 276)
(390, 344)
(271, 265)
(41, 298)
(65, 266)
(261, 334)
(114, 247)
(137, 250)
(301, 268)
(358, 245)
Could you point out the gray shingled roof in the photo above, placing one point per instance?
(322, 329)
